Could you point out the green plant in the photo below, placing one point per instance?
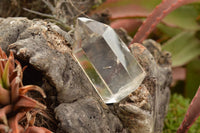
(192, 114)
(156, 16)
(15, 105)
(177, 108)
(147, 27)
(188, 43)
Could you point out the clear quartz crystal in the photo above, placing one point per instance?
(106, 60)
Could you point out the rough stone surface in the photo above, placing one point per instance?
(93, 118)
(46, 48)
(155, 95)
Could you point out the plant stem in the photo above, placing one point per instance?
(192, 114)
(164, 8)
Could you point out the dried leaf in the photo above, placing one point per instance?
(23, 90)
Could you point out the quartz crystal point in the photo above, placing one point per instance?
(106, 60)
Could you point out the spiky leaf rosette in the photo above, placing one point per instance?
(14, 103)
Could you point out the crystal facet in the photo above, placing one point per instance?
(106, 60)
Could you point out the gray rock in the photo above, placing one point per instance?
(46, 48)
(93, 118)
(144, 111)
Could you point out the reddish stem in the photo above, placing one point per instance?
(192, 114)
(156, 16)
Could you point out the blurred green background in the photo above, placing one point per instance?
(178, 33)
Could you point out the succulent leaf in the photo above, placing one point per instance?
(19, 71)
(34, 129)
(27, 102)
(12, 96)
(4, 96)
(3, 111)
(1, 69)
(5, 76)
(3, 56)
(15, 89)
(12, 63)
(13, 123)
(4, 128)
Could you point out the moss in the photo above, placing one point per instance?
(177, 110)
